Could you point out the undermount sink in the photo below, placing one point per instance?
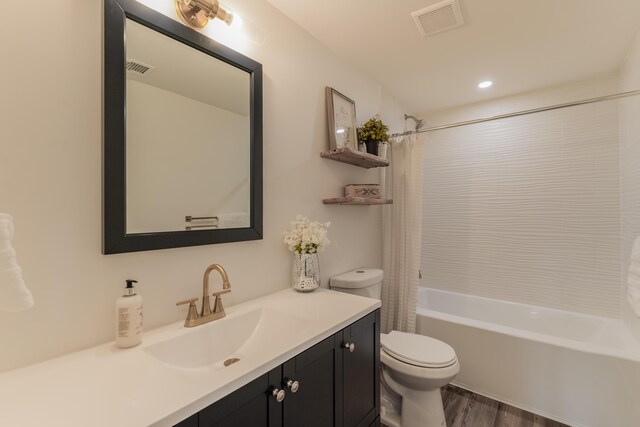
(233, 337)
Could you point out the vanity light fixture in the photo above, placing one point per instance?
(485, 85)
(198, 13)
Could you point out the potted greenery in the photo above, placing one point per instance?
(372, 133)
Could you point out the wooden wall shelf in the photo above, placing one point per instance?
(356, 201)
(357, 158)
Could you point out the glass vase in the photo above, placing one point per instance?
(306, 272)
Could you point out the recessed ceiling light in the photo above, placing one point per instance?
(485, 85)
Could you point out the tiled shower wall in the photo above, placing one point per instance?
(527, 209)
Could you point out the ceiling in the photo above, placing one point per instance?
(520, 45)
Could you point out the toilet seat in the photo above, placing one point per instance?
(418, 350)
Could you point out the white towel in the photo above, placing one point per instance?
(233, 220)
(6, 229)
(14, 295)
(7, 259)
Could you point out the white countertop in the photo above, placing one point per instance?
(107, 386)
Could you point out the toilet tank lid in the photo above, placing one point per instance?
(360, 278)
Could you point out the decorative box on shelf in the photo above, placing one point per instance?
(367, 191)
(357, 158)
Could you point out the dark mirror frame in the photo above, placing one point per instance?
(115, 237)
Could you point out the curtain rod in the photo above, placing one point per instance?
(522, 113)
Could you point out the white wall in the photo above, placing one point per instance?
(527, 209)
(630, 168)
(50, 179)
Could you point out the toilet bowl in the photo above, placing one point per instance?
(414, 367)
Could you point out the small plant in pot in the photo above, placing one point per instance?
(372, 133)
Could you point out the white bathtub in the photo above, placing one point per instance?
(578, 369)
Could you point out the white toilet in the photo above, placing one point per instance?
(414, 367)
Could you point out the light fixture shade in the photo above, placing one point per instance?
(198, 13)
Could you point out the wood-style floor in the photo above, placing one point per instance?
(463, 408)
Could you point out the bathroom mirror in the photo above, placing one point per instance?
(182, 139)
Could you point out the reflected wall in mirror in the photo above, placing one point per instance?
(182, 135)
(187, 135)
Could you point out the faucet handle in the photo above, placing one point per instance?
(191, 302)
(217, 302)
(217, 294)
(193, 311)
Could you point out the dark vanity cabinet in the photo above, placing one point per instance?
(251, 405)
(361, 372)
(335, 383)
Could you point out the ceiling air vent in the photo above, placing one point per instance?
(138, 67)
(438, 17)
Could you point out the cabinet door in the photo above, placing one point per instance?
(313, 404)
(361, 372)
(252, 405)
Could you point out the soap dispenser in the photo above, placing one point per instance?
(129, 317)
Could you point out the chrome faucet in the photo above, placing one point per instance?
(206, 315)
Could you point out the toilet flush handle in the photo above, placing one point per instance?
(350, 346)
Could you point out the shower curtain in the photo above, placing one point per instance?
(402, 234)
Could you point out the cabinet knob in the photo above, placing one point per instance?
(278, 394)
(293, 385)
(350, 346)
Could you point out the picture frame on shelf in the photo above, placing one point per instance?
(341, 117)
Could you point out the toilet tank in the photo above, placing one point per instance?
(366, 282)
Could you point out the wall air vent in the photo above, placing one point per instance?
(138, 67)
(439, 17)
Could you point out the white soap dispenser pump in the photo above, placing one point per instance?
(129, 317)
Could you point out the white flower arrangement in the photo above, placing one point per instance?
(306, 237)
